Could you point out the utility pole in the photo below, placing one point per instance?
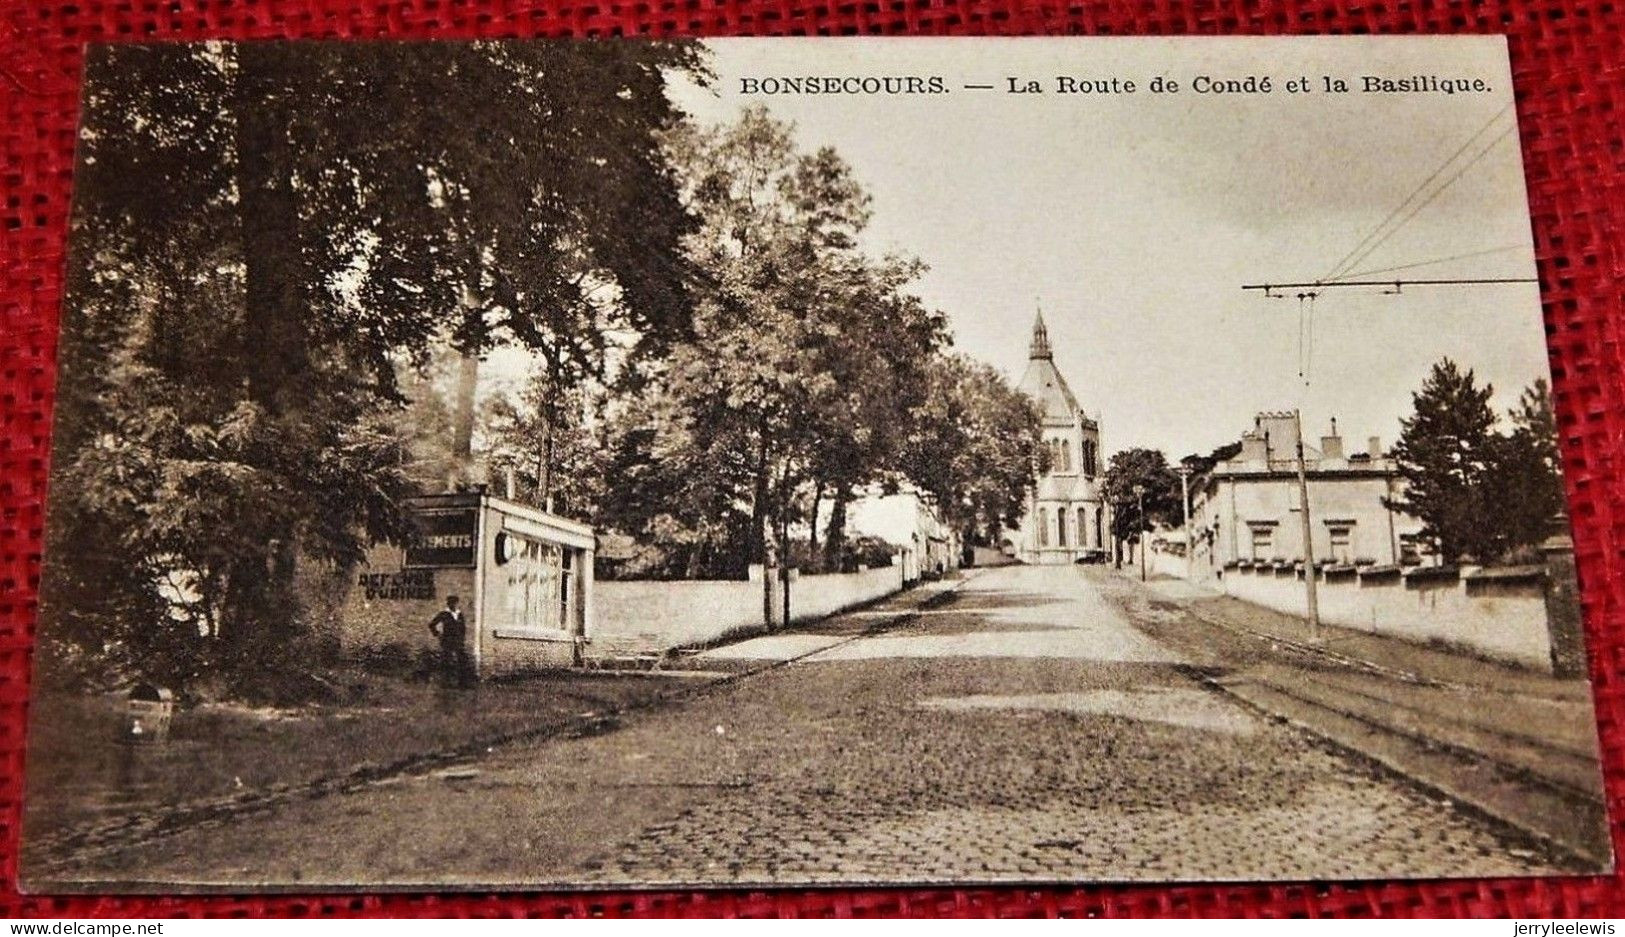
(1111, 531)
(1309, 571)
(1139, 521)
(1185, 503)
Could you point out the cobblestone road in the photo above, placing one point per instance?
(1023, 730)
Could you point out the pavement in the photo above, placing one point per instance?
(1027, 724)
(1511, 742)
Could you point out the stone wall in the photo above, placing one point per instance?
(1497, 613)
(650, 616)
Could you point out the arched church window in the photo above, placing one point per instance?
(1043, 527)
(1060, 456)
(1060, 526)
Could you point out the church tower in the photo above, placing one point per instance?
(1066, 519)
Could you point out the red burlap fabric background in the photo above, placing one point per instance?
(1570, 72)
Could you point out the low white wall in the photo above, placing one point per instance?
(1505, 621)
(814, 597)
(1164, 563)
(651, 616)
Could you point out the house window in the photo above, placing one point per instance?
(1263, 541)
(538, 585)
(567, 574)
(1342, 535)
(1410, 551)
(1043, 527)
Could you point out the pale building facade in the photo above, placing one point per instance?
(1246, 509)
(909, 520)
(1066, 519)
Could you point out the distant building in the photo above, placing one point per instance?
(1066, 517)
(907, 520)
(1246, 509)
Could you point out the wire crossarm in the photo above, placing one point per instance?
(1394, 284)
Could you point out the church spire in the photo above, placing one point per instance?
(1040, 347)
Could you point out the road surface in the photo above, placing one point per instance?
(1025, 729)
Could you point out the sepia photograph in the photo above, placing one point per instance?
(607, 464)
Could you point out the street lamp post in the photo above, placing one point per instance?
(1139, 521)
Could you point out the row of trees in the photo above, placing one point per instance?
(808, 375)
(273, 240)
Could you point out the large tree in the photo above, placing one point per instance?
(976, 444)
(1147, 470)
(1526, 482)
(881, 368)
(265, 235)
(1446, 454)
(805, 357)
(550, 439)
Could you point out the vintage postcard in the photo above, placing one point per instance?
(574, 464)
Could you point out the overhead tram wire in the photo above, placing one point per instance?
(1430, 263)
(1269, 288)
(1436, 193)
(1338, 280)
(1340, 276)
(1347, 261)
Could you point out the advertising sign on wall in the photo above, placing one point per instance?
(444, 538)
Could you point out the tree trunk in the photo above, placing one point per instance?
(550, 414)
(241, 605)
(462, 425)
(755, 542)
(784, 541)
(812, 522)
(257, 614)
(769, 568)
(835, 536)
(760, 546)
(275, 350)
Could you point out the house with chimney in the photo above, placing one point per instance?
(1245, 509)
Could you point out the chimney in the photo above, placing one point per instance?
(1253, 448)
(1331, 447)
(1281, 430)
(1373, 447)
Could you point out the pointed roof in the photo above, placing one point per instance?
(1040, 346)
(1043, 381)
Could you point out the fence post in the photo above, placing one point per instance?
(1561, 589)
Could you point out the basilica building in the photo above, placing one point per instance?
(1066, 519)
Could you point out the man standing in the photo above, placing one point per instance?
(451, 627)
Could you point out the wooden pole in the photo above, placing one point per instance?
(1311, 587)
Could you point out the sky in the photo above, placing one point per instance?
(1134, 219)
